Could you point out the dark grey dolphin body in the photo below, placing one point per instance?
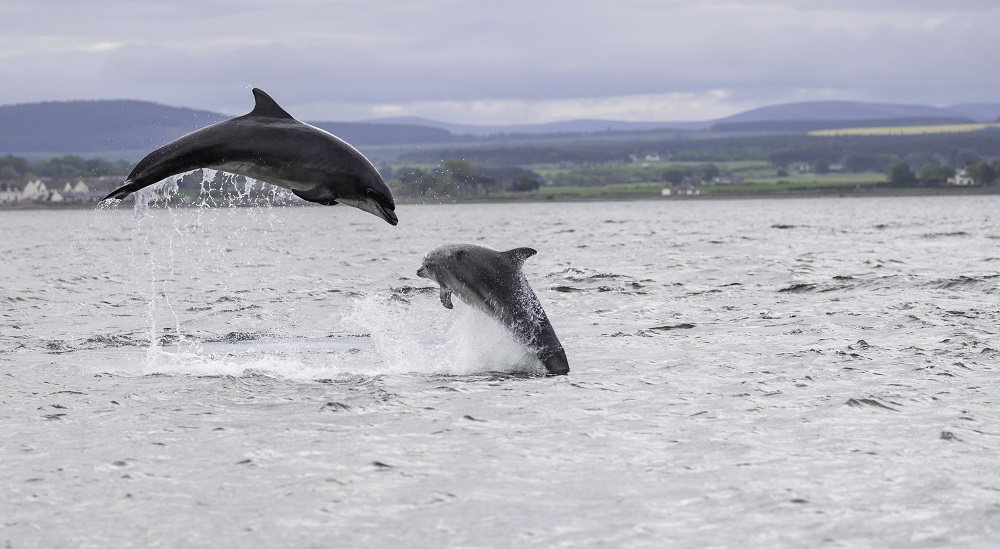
(269, 145)
(493, 282)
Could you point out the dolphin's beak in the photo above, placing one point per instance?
(371, 206)
(388, 215)
(422, 272)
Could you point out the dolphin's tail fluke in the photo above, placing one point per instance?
(556, 363)
(121, 192)
(174, 158)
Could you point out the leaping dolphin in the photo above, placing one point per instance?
(269, 145)
(493, 282)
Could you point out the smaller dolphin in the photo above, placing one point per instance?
(269, 145)
(493, 282)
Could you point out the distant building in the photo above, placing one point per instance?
(962, 179)
(9, 193)
(37, 190)
(646, 159)
(79, 188)
(728, 180)
(687, 188)
(34, 190)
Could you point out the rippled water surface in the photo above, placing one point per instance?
(744, 373)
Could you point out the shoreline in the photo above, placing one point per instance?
(410, 201)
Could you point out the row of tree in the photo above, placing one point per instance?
(932, 174)
(608, 175)
(16, 167)
(451, 177)
(857, 153)
(821, 157)
(458, 178)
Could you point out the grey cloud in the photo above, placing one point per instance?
(311, 53)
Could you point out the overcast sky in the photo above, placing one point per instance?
(501, 61)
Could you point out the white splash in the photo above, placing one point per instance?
(407, 338)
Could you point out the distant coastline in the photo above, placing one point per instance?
(865, 192)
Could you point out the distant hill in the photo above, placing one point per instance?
(838, 110)
(128, 129)
(569, 126)
(125, 126)
(91, 126)
(806, 126)
(980, 112)
(790, 117)
(824, 115)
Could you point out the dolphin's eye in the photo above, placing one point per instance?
(458, 254)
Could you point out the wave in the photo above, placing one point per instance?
(381, 335)
(576, 279)
(847, 283)
(986, 282)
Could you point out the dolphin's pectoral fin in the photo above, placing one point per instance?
(326, 202)
(446, 297)
(322, 197)
(518, 255)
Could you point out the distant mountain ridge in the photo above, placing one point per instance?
(567, 126)
(85, 126)
(115, 127)
(821, 115)
(838, 110)
(980, 112)
(121, 126)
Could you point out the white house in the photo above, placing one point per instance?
(9, 193)
(35, 190)
(962, 179)
(687, 189)
(79, 188)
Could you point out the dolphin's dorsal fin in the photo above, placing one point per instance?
(518, 255)
(267, 107)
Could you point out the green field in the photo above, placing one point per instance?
(814, 179)
(905, 130)
(794, 184)
(629, 190)
(640, 169)
(799, 184)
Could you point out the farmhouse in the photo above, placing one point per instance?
(687, 189)
(961, 179)
(9, 193)
(34, 190)
(79, 188)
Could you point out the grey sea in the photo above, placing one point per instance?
(746, 373)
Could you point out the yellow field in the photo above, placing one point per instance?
(906, 130)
